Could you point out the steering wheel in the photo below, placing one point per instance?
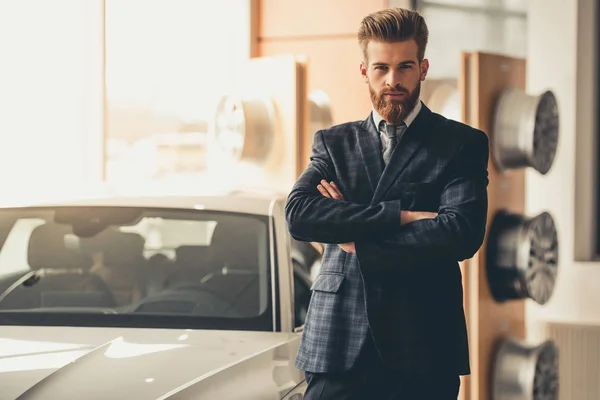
(34, 277)
(100, 284)
(207, 289)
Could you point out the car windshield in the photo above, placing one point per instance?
(134, 266)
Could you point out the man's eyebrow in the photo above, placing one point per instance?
(408, 62)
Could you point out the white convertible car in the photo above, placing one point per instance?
(151, 298)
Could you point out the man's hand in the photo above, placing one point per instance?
(406, 217)
(331, 190)
(348, 247)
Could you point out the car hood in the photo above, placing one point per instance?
(100, 363)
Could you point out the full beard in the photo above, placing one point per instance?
(395, 111)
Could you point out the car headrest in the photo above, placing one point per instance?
(126, 250)
(98, 242)
(192, 256)
(120, 249)
(48, 249)
(235, 244)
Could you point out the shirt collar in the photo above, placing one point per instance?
(408, 120)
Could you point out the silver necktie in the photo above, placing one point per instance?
(394, 133)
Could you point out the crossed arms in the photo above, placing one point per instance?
(331, 190)
(455, 233)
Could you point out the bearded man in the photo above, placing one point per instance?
(398, 200)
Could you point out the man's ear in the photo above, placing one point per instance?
(363, 71)
(424, 66)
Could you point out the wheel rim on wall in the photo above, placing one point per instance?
(525, 131)
(445, 99)
(245, 127)
(525, 372)
(522, 257)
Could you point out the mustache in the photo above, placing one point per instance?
(395, 91)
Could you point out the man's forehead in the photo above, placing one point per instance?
(396, 51)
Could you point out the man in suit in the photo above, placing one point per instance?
(399, 199)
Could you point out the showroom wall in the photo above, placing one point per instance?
(161, 98)
(51, 96)
(559, 59)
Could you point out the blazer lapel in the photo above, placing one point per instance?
(412, 140)
(369, 145)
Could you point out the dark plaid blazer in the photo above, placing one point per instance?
(403, 286)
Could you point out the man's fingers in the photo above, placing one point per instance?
(324, 192)
(348, 247)
(406, 217)
(427, 215)
(337, 189)
(332, 190)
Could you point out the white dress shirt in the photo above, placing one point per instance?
(407, 121)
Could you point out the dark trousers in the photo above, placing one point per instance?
(371, 379)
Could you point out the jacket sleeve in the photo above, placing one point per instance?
(459, 229)
(313, 218)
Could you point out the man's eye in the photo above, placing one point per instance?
(406, 66)
(381, 67)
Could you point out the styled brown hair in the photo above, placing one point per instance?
(393, 25)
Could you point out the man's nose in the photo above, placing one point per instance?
(393, 79)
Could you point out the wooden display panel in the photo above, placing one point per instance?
(282, 81)
(332, 66)
(484, 76)
(314, 18)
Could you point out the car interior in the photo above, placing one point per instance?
(117, 270)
